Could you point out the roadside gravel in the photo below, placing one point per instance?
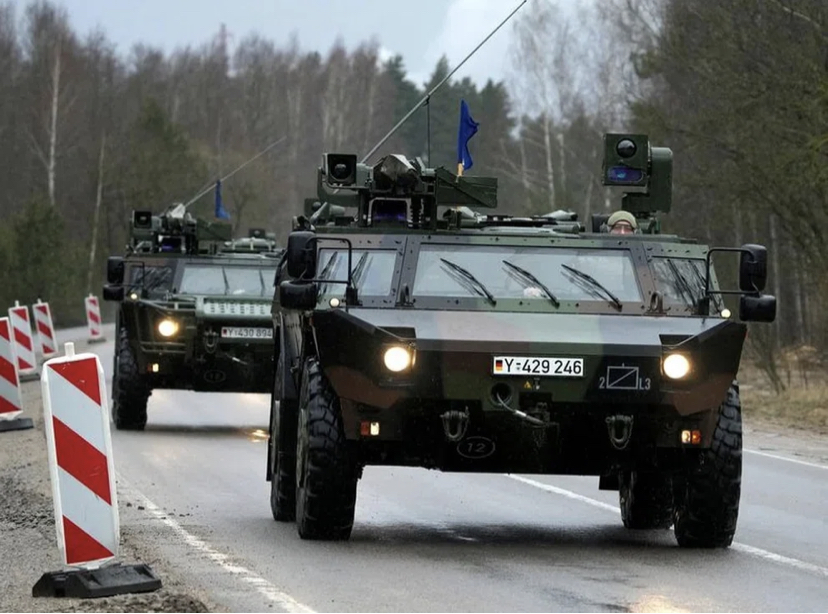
(28, 544)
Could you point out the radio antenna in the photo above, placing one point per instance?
(426, 98)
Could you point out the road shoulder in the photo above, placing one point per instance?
(28, 544)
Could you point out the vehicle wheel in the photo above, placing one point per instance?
(708, 506)
(646, 500)
(130, 391)
(326, 474)
(283, 455)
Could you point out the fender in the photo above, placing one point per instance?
(284, 390)
(289, 389)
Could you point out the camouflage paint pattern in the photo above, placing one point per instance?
(567, 423)
(199, 357)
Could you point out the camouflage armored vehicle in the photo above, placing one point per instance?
(194, 311)
(418, 332)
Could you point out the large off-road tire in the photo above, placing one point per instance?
(646, 500)
(283, 454)
(130, 390)
(707, 505)
(326, 472)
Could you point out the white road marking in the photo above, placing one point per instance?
(265, 588)
(751, 550)
(564, 493)
(785, 458)
(778, 558)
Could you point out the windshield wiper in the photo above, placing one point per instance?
(597, 284)
(226, 283)
(685, 289)
(718, 301)
(327, 271)
(359, 269)
(534, 280)
(483, 290)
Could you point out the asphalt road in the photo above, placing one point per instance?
(427, 541)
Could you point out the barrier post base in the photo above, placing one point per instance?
(107, 581)
(28, 377)
(96, 339)
(18, 424)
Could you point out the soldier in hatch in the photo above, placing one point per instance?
(622, 222)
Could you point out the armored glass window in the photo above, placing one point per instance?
(228, 281)
(150, 278)
(372, 270)
(680, 280)
(612, 269)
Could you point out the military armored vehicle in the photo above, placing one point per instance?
(416, 331)
(194, 311)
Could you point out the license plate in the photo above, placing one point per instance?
(539, 366)
(250, 332)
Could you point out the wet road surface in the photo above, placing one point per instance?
(429, 541)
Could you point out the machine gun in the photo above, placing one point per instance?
(175, 231)
(631, 162)
(395, 191)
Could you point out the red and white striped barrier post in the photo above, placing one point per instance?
(11, 404)
(93, 319)
(24, 347)
(45, 329)
(82, 471)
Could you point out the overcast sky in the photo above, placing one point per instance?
(420, 30)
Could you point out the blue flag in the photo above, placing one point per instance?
(220, 211)
(468, 128)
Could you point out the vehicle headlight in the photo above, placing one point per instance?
(676, 366)
(167, 327)
(397, 358)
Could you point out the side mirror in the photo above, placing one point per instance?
(301, 254)
(760, 308)
(753, 268)
(297, 295)
(113, 293)
(115, 270)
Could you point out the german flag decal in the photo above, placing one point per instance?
(498, 367)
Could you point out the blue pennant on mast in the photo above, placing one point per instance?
(221, 213)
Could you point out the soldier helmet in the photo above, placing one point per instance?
(620, 216)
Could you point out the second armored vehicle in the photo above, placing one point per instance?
(194, 311)
(491, 343)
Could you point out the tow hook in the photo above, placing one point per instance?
(620, 430)
(210, 341)
(455, 424)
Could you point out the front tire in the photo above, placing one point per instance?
(130, 389)
(326, 472)
(708, 509)
(646, 500)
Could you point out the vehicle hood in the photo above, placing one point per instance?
(480, 331)
(454, 352)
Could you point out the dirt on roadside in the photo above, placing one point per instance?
(28, 543)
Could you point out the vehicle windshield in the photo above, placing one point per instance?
(681, 279)
(552, 266)
(228, 280)
(151, 278)
(372, 270)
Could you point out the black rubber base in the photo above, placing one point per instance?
(96, 340)
(107, 581)
(29, 377)
(18, 424)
